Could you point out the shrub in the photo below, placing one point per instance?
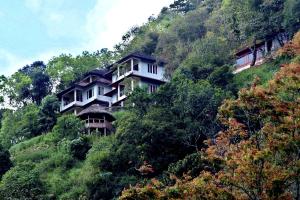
(5, 163)
(192, 164)
(68, 126)
(22, 182)
(79, 148)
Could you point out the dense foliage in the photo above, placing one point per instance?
(6, 163)
(197, 137)
(258, 147)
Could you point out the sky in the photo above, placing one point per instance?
(32, 30)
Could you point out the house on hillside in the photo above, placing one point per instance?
(99, 91)
(134, 70)
(244, 55)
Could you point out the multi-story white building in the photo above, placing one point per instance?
(134, 70)
(105, 88)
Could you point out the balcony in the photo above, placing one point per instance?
(98, 123)
(125, 69)
(70, 99)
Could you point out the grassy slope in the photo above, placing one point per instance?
(63, 175)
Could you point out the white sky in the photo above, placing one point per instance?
(40, 29)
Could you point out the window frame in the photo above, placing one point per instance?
(88, 96)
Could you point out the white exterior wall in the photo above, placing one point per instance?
(143, 71)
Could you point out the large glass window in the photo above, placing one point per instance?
(152, 68)
(78, 95)
(135, 65)
(149, 68)
(90, 93)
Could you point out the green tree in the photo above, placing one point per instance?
(79, 148)
(41, 87)
(183, 6)
(291, 16)
(3, 81)
(22, 182)
(68, 126)
(19, 125)
(66, 69)
(29, 84)
(209, 55)
(254, 20)
(49, 111)
(17, 89)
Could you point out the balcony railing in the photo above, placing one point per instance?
(97, 123)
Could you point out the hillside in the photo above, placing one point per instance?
(206, 134)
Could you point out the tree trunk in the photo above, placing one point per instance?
(254, 53)
(269, 46)
(280, 38)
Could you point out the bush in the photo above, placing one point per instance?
(22, 182)
(68, 126)
(79, 148)
(5, 163)
(49, 110)
(192, 165)
(25, 125)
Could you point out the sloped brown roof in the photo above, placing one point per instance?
(96, 109)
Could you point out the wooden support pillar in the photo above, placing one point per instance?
(104, 125)
(132, 65)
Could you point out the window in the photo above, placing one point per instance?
(149, 68)
(122, 90)
(152, 88)
(90, 94)
(78, 95)
(100, 90)
(136, 67)
(152, 68)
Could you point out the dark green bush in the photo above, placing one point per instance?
(79, 148)
(22, 182)
(5, 162)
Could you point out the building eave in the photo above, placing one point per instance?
(77, 86)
